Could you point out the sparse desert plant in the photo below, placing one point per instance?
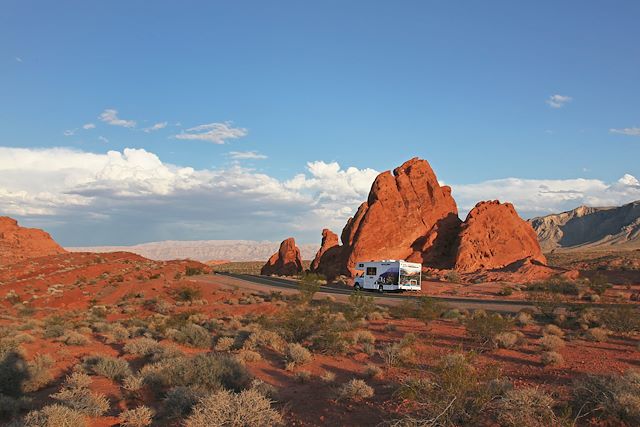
(73, 338)
(505, 291)
(248, 408)
(54, 416)
(180, 400)
(452, 276)
(188, 294)
(248, 356)
(484, 328)
(597, 334)
(133, 383)
(297, 354)
(375, 316)
(363, 336)
(328, 377)
(263, 338)
(264, 388)
(193, 336)
(224, 344)
(372, 371)
(360, 306)
(428, 309)
(76, 395)
(193, 271)
(302, 376)
(143, 347)
(551, 358)
(621, 319)
(309, 284)
(142, 416)
(38, 373)
(355, 390)
(529, 407)
(551, 342)
(111, 367)
(552, 330)
(506, 340)
(610, 397)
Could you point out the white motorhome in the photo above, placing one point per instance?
(388, 275)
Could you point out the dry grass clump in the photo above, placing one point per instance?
(524, 318)
(73, 338)
(180, 400)
(355, 390)
(142, 416)
(297, 354)
(529, 407)
(506, 340)
(302, 376)
(372, 371)
(53, 416)
(597, 334)
(192, 335)
(143, 347)
(113, 368)
(328, 377)
(248, 356)
(75, 394)
(38, 373)
(552, 330)
(551, 342)
(224, 344)
(551, 358)
(362, 336)
(248, 408)
(484, 327)
(610, 397)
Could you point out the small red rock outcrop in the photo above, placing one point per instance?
(494, 236)
(19, 243)
(286, 262)
(327, 259)
(403, 216)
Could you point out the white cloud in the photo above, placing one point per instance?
(102, 139)
(69, 132)
(110, 116)
(558, 101)
(216, 133)
(156, 127)
(88, 126)
(246, 155)
(533, 197)
(634, 131)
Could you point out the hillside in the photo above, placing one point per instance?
(18, 243)
(590, 228)
(203, 250)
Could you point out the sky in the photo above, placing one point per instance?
(124, 122)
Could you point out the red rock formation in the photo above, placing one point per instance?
(493, 236)
(403, 217)
(327, 259)
(285, 262)
(18, 243)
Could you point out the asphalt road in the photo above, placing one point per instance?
(505, 306)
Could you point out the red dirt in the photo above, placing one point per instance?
(18, 243)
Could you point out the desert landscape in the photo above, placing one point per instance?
(267, 214)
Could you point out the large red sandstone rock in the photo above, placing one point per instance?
(19, 243)
(285, 262)
(494, 236)
(327, 259)
(403, 218)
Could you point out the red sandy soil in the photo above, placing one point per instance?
(76, 281)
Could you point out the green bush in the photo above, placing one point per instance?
(484, 328)
(309, 284)
(188, 294)
(428, 309)
(360, 306)
(556, 286)
(193, 271)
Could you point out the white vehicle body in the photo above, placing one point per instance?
(388, 275)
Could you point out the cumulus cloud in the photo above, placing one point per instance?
(633, 131)
(132, 196)
(156, 127)
(217, 133)
(88, 126)
(558, 101)
(103, 139)
(533, 197)
(69, 132)
(246, 155)
(110, 116)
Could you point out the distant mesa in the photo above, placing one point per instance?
(286, 262)
(19, 243)
(409, 215)
(590, 228)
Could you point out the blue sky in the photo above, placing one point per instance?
(466, 85)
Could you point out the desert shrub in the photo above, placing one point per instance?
(551, 358)
(456, 393)
(193, 336)
(187, 294)
(309, 284)
(54, 416)
(506, 339)
(359, 307)
(484, 328)
(143, 347)
(529, 407)
(73, 338)
(597, 334)
(452, 276)
(224, 344)
(12, 406)
(374, 316)
(621, 319)
(38, 373)
(245, 355)
(610, 397)
(505, 291)
(355, 390)
(210, 372)
(363, 336)
(132, 384)
(263, 338)
(297, 354)
(180, 400)
(552, 330)
(193, 271)
(75, 394)
(142, 416)
(13, 368)
(555, 286)
(302, 376)
(599, 284)
(523, 318)
(372, 371)
(428, 309)
(248, 408)
(118, 333)
(551, 342)
(111, 367)
(403, 310)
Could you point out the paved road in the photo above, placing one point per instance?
(505, 306)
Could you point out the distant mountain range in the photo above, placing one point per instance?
(590, 228)
(203, 250)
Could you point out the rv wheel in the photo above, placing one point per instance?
(380, 288)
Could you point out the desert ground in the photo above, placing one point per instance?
(116, 339)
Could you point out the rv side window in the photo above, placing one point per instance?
(371, 271)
